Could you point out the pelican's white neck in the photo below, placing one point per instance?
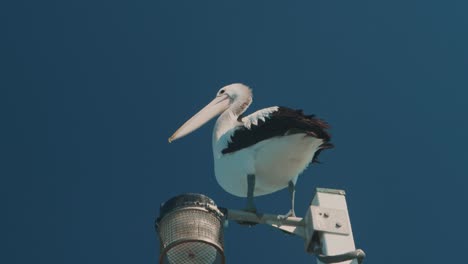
(240, 99)
(229, 118)
(226, 121)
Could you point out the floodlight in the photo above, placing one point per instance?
(190, 229)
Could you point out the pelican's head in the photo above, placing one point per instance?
(236, 97)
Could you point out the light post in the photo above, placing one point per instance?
(190, 229)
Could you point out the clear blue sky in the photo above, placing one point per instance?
(91, 90)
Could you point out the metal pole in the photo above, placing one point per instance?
(269, 219)
(335, 243)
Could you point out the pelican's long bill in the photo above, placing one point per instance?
(214, 108)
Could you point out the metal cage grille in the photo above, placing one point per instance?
(191, 235)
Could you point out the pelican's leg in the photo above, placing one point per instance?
(250, 202)
(250, 193)
(292, 193)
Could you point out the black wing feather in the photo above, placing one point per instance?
(285, 121)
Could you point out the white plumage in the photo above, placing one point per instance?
(260, 153)
(272, 171)
(274, 161)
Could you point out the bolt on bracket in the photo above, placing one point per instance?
(328, 220)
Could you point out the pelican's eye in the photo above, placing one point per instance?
(221, 92)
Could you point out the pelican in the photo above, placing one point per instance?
(260, 153)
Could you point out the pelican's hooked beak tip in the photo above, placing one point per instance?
(170, 139)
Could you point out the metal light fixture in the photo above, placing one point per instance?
(190, 229)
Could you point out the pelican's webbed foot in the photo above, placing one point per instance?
(290, 213)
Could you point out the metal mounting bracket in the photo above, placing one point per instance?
(326, 228)
(328, 220)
